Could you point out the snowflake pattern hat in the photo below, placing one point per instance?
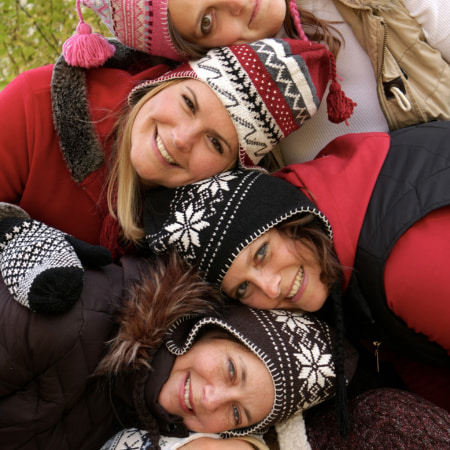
(211, 221)
(269, 88)
(140, 24)
(296, 348)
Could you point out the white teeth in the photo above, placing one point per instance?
(163, 151)
(187, 390)
(297, 283)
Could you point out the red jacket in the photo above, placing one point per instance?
(56, 183)
(340, 181)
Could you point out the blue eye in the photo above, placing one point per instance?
(261, 253)
(242, 289)
(231, 369)
(236, 415)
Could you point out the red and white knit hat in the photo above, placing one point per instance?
(139, 24)
(269, 88)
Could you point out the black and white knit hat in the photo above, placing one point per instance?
(296, 348)
(210, 222)
(269, 87)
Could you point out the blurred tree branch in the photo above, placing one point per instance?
(32, 33)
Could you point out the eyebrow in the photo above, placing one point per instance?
(243, 382)
(216, 135)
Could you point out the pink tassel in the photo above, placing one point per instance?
(296, 17)
(86, 49)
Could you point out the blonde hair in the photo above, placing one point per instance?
(124, 187)
(316, 30)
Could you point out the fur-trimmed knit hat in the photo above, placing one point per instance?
(269, 87)
(296, 348)
(210, 222)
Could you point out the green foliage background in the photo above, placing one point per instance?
(32, 33)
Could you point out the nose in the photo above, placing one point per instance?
(183, 137)
(214, 397)
(235, 7)
(270, 285)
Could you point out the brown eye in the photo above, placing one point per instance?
(206, 23)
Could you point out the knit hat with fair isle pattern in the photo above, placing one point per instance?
(296, 348)
(139, 24)
(269, 88)
(210, 222)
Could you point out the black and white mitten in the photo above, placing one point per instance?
(43, 267)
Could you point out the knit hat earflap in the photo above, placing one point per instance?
(269, 88)
(296, 348)
(211, 221)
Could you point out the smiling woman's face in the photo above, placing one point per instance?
(216, 23)
(181, 135)
(217, 385)
(275, 271)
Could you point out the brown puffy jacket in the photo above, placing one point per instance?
(46, 399)
(48, 396)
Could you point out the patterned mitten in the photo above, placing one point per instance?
(43, 267)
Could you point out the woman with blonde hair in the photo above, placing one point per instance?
(196, 120)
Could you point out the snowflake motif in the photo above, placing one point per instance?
(294, 322)
(216, 183)
(316, 366)
(186, 230)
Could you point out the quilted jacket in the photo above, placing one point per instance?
(47, 400)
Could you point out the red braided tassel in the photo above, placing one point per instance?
(339, 106)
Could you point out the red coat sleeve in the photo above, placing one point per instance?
(21, 102)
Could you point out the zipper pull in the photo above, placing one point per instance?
(377, 345)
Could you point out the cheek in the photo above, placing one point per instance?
(207, 423)
(204, 164)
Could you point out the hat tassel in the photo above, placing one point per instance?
(339, 106)
(86, 49)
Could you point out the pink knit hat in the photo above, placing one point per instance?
(139, 24)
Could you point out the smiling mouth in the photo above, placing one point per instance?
(254, 12)
(297, 283)
(164, 152)
(187, 391)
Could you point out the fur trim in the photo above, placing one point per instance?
(167, 291)
(292, 433)
(8, 210)
(81, 149)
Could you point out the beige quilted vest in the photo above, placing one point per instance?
(413, 80)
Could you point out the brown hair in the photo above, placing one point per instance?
(309, 229)
(316, 30)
